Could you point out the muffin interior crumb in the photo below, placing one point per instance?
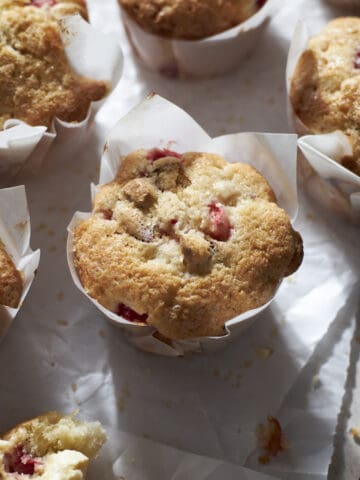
(50, 446)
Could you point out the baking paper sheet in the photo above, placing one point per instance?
(67, 356)
(92, 54)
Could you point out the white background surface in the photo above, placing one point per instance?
(61, 354)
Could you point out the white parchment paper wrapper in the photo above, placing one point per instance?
(91, 54)
(331, 184)
(274, 156)
(210, 56)
(15, 235)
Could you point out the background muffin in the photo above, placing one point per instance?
(185, 242)
(345, 3)
(190, 19)
(36, 80)
(50, 446)
(325, 87)
(11, 284)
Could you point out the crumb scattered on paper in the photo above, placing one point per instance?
(310, 217)
(316, 382)
(270, 439)
(355, 433)
(274, 332)
(264, 352)
(40, 227)
(247, 363)
(63, 323)
(60, 295)
(125, 394)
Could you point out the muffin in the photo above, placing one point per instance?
(345, 3)
(189, 19)
(36, 81)
(11, 283)
(50, 447)
(184, 242)
(325, 87)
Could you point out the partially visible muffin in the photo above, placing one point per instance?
(325, 87)
(190, 19)
(36, 80)
(345, 3)
(184, 243)
(50, 447)
(58, 8)
(11, 283)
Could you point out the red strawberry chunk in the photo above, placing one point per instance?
(106, 213)
(130, 314)
(219, 227)
(260, 3)
(18, 461)
(43, 3)
(357, 60)
(156, 153)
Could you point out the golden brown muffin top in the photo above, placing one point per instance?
(36, 80)
(11, 284)
(59, 8)
(190, 19)
(185, 242)
(325, 87)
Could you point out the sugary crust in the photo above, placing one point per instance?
(11, 284)
(191, 242)
(36, 81)
(189, 19)
(57, 8)
(325, 88)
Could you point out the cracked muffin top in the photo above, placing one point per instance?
(190, 19)
(325, 87)
(36, 80)
(11, 284)
(184, 242)
(50, 447)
